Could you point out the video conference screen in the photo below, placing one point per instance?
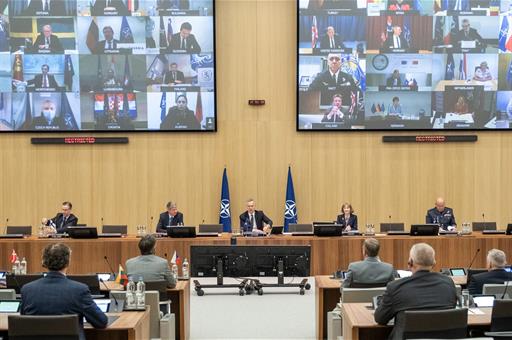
(107, 65)
(404, 64)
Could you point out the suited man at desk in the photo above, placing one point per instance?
(441, 215)
(171, 217)
(62, 220)
(44, 80)
(253, 219)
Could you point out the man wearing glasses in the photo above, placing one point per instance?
(180, 117)
(333, 77)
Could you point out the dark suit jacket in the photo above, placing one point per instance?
(99, 7)
(324, 80)
(167, 4)
(60, 226)
(422, 290)
(56, 8)
(472, 35)
(476, 283)
(444, 218)
(55, 294)
(192, 45)
(178, 120)
(352, 221)
(259, 216)
(168, 78)
(38, 81)
(163, 221)
(389, 43)
(55, 45)
(100, 46)
(391, 80)
(326, 43)
(41, 123)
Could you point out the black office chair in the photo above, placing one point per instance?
(116, 229)
(161, 288)
(47, 327)
(25, 230)
(481, 226)
(436, 324)
(90, 280)
(501, 320)
(385, 227)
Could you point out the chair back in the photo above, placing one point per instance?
(7, 294)
(498, 290)
(116, 229)
(360, 294)
(368, 285)
(501, 317)
(25, 230)
(436, 324)
(385, 227)
(160, 287)
(43, 327)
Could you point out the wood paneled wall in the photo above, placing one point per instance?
(256, 58)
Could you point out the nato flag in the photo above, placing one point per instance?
(290, 209)
(225, 211)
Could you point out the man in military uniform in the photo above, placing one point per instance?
(442, 215)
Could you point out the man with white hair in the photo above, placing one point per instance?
(496, 263)
(423, 290)
(47, 42)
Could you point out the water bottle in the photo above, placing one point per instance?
(23, 267)
(174, 269)
(17, 266)
(130, 294)
(141, 294)
(40, 233)
(185, 270)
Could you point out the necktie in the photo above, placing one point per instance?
(183, 44)
(45, 81)
(334, 78)
(173, 75)
(332, 43)
(170, 220)
(109, 45)
(47, 41)
(251, 221)
(46, 7)
(108, 3)
(397, 41)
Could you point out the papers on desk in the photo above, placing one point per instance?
(475, 311)
(466, 118)
(404, 273)
(468, 44)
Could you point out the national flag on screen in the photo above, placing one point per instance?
(28, 114)
(126, 35)
(439, 30)
(454, 28)
(4, 39)
(449, 73)
(99, 75)
(99, 105)
(176, 258)
(290, 207)
(503, 35)
(225, 203)
(374, 108)
(417, 5)
(377, 108)
(17, 67)
(163, 107)
(67, 113)
(199, 108)
(127, 81)
(69, 72)
(93, 36)
(132, 5)
(13, 256)
(463, 72)
(407, 30)
(445, 5)
(121, 277)
(314, 32)
(163, 38)
(169, 30)
(129, 105)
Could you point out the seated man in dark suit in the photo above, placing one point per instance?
(108, 7)
(165, 5)
(173, 76)
(109, 43)
(496, 263)
(370, 271)
(172, 217)
(44, 80)
(184, 40)
(423, 290)
(396, 40)
(48, 119)
(55, 294)
(331, 40)
(254, 219)
(148, 265)
(62, 220)
(469, 34)
(394, 80)
(46, 41)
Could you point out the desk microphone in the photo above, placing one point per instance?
(389, 218)
(151, 221)
(102, 221)
(112, 295)
(474, 258)
(109, 265)
(6, 224)
(505, 291)
(483, 220)
(165, 255)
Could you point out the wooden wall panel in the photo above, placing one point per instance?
(256, 44)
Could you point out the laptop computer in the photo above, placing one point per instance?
(181, 232)
(10, 306)
(276, 230)
(82, 232)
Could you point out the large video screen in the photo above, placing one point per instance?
(107, 65)
(404, 64)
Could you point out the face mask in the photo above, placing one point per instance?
(49, 114)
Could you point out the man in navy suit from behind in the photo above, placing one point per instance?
(55, 294)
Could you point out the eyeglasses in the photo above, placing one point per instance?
(334, 59)
(181, 102)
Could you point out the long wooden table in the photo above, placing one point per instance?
(328, 294)
(129, 326)
(359, 324)
(328, 254)
(180, 306)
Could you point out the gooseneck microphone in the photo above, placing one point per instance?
(474, 258)
(109, 265)
(113, 295)
(6, 225)
(505, 291)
